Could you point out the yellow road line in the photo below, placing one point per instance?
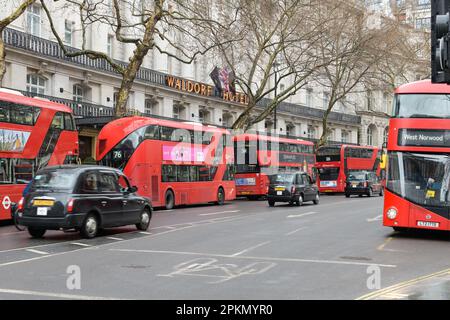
(381, 247)
(401, 285)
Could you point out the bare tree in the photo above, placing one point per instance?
(177, 23)
(270, 34)
(356, 45)
(5, 22)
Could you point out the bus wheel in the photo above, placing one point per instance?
(36, 232)
(170, 200)
(220, 196)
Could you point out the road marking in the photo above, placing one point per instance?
(292, 232)
(80, 244)
(144, 232)
(249, 249)
(377, 218)
(114, 238)
(55, 295)
(259, 258)
(401, 285)
(36, 251)
(301, 214)
(220, 212)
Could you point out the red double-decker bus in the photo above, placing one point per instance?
(173, 163)
(34, 133)
(334, 163)
(418, 166)
(256, 155)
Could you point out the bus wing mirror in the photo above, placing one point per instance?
(132, 189)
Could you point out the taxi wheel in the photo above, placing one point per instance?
(316, 201)
(299, 202)
(144, 221)
(271, 203)
(370, 193)
(89, 228)
(347, 195)
(36, 232)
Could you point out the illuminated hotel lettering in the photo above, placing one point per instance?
(203, 89)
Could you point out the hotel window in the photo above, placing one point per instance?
(326, 99)
(36, 84)
(344, 136)
(423, 23)
(109, 46)
(78, 93)
(423, 3)
(68, 33)
(176, 112)
(34, 20)
(311, 132)
(150, 106)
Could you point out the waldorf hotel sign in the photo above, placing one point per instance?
(204, 90)
(424, 138)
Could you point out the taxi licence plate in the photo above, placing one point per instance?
(43, 203)
(279, 189)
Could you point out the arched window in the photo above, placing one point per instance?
(36, 83)
(227, 120)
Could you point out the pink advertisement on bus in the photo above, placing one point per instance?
(183, 153)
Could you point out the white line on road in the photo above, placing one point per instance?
(80, 244)
(301, 214)
(214, 213)
(114, 238)
(377, 218)
(249, 249)
(260, 258)
(292, 232)
(55, 295)
(144, 232)
(37, 251)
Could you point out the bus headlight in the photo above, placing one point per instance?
(391, 213)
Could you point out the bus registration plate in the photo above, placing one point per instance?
(428, 224)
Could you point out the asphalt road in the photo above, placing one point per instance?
(242, 250)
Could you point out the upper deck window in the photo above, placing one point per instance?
(19, 114)
(422, 106)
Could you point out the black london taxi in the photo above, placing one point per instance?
(84, 198)
(292, 187)
(363, 183)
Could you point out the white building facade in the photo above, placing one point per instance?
(36, 64)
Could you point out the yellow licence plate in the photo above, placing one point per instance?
(245, 192)
(279, 189)
(43, 203)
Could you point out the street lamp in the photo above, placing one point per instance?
(275, 67)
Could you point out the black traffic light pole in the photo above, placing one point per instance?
(440, 40)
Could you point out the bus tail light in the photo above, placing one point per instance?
(70, 206)
(20, 204)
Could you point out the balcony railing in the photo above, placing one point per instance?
(51, 49)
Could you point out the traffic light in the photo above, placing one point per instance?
(440, 41)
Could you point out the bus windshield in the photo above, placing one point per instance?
(422, 106)
(328, 173)
(421, 178)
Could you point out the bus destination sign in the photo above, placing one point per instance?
(424, 138)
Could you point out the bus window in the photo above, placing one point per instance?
(4, 111)
(182, 173)
(58, 121)
(69, 124)
(151, 133)
(169, 173)
(21, 115)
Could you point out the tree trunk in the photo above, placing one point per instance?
(120, 109)
(323, 139)
(2, 59)
(243, 121)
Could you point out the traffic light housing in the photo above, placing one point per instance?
(440, 41)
